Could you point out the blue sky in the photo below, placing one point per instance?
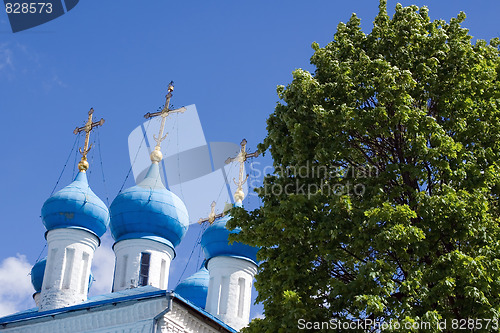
(118, 57)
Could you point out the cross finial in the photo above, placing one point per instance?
(156, 155)
(212, 216)
(242, 156)
(83, 165)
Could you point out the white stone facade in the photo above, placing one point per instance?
(128, 262)
(66, 277)
(229, 290)
(155, 315)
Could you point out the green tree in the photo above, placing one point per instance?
(384, 201)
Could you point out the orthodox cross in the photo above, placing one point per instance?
(212, 216)
(156, 155)
(83, 165)
(241, 158)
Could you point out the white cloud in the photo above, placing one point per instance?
(6, 56)
(16, 291)
(258, 316)
(103, 266)
(58, 81)
(15, 285)
(53, 82)
(15, 281)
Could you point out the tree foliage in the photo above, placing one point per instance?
(384, 201)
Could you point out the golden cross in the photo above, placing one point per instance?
(83, 165)
(212, 216)
(156, 155)
(241, 158)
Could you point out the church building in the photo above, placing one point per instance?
(147, 222)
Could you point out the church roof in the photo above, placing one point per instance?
(134, 294)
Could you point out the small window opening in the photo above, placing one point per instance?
(144, 270)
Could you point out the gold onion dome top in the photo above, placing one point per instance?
(148, 210)
(76, 205)
(83, 165)
(156, 155)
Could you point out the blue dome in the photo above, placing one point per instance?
(215, 242)
(149, 210)
(37, 273)
(195, 288)
(76, 206)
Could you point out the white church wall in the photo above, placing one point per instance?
(180, 320)
(66, 278)
(128, 261)
(229, 291)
